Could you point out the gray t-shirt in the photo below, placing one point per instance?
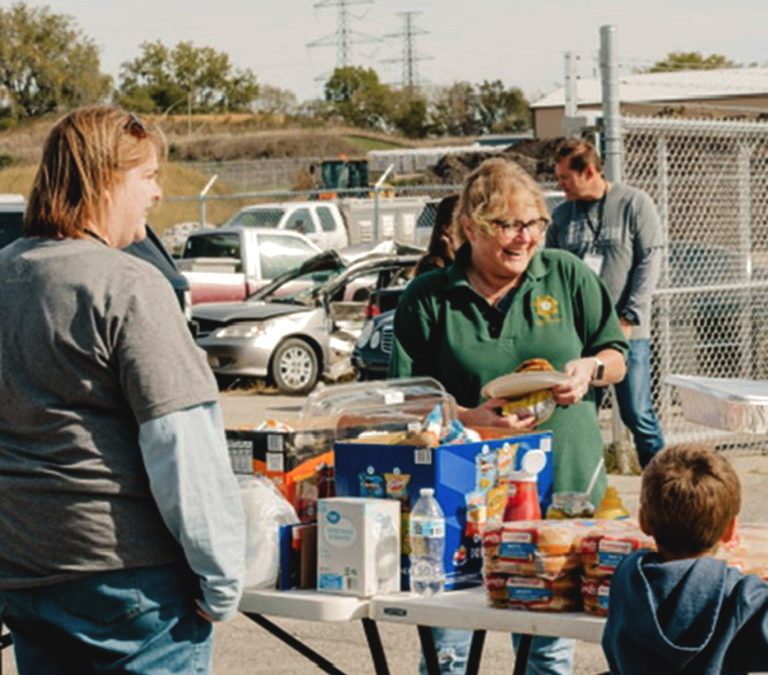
(92, 344)
(624, 229)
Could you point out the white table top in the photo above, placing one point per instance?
(469, 609)
(310, 605)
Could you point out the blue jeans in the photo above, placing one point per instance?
(140, 621)
(635, 404)
(548, 655)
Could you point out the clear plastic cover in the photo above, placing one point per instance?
(383, 406)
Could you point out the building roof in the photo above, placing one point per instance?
(675, 86)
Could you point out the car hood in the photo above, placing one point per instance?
(226, 312)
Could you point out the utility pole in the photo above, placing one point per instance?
(609, 77)
(344, 37)
(410, 56)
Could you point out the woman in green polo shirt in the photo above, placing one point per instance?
(504, 301)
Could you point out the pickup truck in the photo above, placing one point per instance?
(320, 222)
(231, 263)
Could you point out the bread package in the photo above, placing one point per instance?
(608, 543)
(558, 595)
(522, 539)
(594, 594)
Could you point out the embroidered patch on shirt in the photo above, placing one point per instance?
(547, 309)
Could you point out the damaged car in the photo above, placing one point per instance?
(304, 325)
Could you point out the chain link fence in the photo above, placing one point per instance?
(709, 180)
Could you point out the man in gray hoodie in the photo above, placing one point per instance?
(678, 610)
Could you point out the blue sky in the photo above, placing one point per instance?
(521, 42)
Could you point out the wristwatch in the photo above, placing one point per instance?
(599, 371)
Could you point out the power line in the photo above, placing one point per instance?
(344, 37)
(410, 56)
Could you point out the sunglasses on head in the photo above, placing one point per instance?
(135, 126)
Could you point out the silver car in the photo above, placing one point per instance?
(304, 324)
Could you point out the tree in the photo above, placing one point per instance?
(455, 111)
(500, 110)
(46, 63)
(691, 61)
(185, 77)
(275, 101)
(359, 98)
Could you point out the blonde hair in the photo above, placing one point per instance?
(84, 156)
(688, 496)
(486, 194)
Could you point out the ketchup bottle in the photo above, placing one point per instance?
(522, 497)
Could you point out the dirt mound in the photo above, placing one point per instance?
(535, 156)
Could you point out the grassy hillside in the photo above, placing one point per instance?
(176, 180)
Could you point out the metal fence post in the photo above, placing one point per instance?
(203, 194)
(743, 160)
(609, 76)
(662, 340)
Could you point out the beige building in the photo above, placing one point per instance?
(736, 93)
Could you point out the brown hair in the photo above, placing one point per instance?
(83, 156)
(688, 497)
(486, 194)
(580, 155)
(439, 252)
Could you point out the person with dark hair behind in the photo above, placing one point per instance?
(679, 610)
(442, 245)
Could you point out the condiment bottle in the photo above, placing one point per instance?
(522, 497)
(611, 508)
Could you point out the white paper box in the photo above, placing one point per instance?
(723, 403)
(358, 546)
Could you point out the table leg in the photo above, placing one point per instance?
(320, 661)
(376, 648)
(521, 654)
(475, 652)
(429, 650)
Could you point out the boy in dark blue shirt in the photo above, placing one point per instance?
(679, 610)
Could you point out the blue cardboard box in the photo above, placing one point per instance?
(454, 471)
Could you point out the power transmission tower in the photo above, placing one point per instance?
(343, 37)
(410, 56)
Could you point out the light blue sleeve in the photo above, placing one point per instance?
(191, 479)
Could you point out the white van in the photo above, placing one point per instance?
(320, 222)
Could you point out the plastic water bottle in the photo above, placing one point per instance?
(426, 531)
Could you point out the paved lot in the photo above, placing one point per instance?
(242, 647)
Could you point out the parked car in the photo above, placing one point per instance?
(295, 339)
(11, 218)
(231, 263)
(320, 222)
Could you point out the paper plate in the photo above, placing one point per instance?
(520, 384)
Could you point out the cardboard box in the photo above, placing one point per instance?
(358, 546)
(456, 474)
(296, 461)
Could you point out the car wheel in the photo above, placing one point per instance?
(295, 369)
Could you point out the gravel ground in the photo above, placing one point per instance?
(242, 647)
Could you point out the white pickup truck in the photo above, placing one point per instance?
(320, 222)
(230, 263)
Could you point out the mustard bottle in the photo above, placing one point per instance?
(611, 508)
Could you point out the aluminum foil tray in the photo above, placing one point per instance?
(723, 403)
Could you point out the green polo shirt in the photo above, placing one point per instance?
(561, 311)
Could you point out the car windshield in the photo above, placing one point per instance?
(258, 217)
(302, 289)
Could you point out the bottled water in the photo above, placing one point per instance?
(426, 531)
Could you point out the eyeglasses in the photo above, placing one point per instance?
(508, 228)
(135, 127)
